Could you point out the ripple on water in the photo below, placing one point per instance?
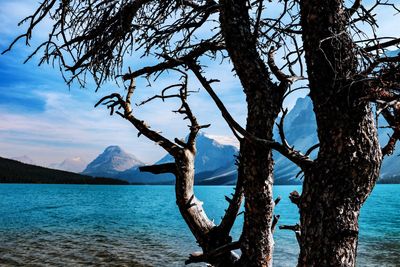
(78, 225)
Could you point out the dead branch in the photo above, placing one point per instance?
(232, 211)
(171, 63)
(295, 156)
(207, 257)
(160, 168)
(285, 80)
(295, 228)
(277, 200)
(274, 223)
(115, 100)
(295, 198)
(311, 149)
(353, 9)
(382, 45)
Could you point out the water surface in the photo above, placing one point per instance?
(81, 225)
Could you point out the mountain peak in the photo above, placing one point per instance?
(213, 159)
(24, 159)
(74, 164)
(112, 161)
(223, 140)
(302, 103)
(113, 149)
(211, 154)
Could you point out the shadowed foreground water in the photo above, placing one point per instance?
(80, 225)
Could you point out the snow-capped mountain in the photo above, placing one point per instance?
(211, 154)
(212, 159)
(76, 164)
(111, 162)
(24, 159)
(301, 131)
(215, 162)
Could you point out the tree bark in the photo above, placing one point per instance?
(263, 102)
(348, 162)
(257, 242)
(207, 234)
(189, 206)
(335, 189)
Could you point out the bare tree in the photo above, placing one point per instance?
(348, 68)
(214, 240)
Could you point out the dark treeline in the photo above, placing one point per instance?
(12, 171)
(390, 180)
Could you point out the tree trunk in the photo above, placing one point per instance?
(336, 187)
(263, 102)
(348, 163)
(189, 206)
(257, 242)
(207, 234)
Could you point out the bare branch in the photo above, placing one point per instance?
(356, 5)
(311, 149)
(274, 223)
(160, 168)
(115, 100)
(171, 63)
(295, 198)
(232, 211)
(235, 127)
(295, 228)
(382, 45)
(34, 20)
(200, 257)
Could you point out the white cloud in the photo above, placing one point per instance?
(70, 126)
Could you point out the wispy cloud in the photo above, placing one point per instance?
(44, 119)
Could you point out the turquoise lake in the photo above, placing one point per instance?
(80, 225)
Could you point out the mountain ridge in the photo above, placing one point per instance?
(75, 164)
(212, 157)
(112, 161)
(12, 171)
(215, 168)
(215, 162)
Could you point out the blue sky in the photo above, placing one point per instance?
(42, 118)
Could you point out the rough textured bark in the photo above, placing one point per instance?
(204, 230)
(189, 206)
(257, 242)
(256, 161)
(348, 163)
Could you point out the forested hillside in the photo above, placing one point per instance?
(12, 171)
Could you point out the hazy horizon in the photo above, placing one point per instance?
(49, 122)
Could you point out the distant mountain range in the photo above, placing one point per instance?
(12, 171)
(215, 162)
(301, 131)
(76, 164)
(24, 159)
(212, 161)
